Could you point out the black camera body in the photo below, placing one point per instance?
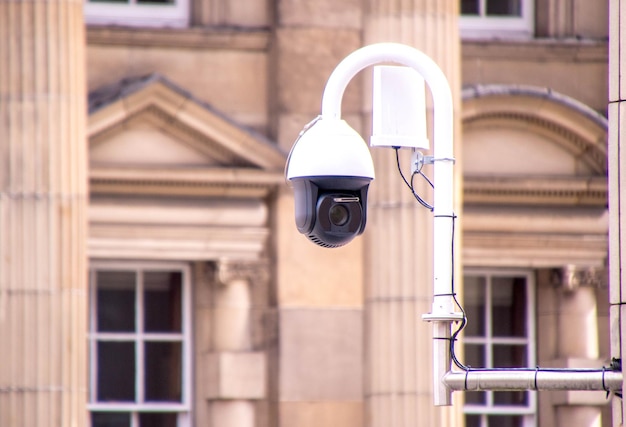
(331, 211)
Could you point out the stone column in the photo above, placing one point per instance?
(43, 200)
(617, 213)
(399, 238)
(236, 369)
(577, 344)
(578, 314)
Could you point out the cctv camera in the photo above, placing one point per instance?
(330, 169)
(331, 211)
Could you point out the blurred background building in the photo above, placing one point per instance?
(150, 270)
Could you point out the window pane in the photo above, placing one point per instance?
(505, 421)
(475, 398)
(472, 421)
(516, 398)
(157, 419)
(110, 419)
(509, 306)
(469, 7)
(504, 7)
(474, 304)
(163, 364)
(475, 356)
(509, 356)
(162, 301)
(116, 371)
(115, 301)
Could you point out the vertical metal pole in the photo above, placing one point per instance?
(442, 314)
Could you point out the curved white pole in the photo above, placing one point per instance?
(442, 315)
(442, 310)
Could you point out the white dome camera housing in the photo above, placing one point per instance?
(330, 169)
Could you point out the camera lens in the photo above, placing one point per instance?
(338, 215)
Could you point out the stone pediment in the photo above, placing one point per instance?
(150, 136)
(534, 179)
(526, 145)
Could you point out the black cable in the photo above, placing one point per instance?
(465, 368)
(410, 185)
(419, 172)
(453, 337)
(456, 333)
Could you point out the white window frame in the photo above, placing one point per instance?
(499, 27)
(137, 15)
(183, 409)
(528, 412)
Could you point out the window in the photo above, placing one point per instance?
(496, 18)
(139, 345)
(499, 334)
(144, 13)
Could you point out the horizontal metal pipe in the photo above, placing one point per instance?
(541, 379)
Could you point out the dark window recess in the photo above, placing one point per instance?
(115, 301)
(116, 371)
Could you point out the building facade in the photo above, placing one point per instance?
(158, 230)
(527, 78)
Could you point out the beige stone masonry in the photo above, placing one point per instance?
(321, 354)
(43, 219)
(320, 413)
(322, 13)
(234, 81)
(399, 241)
(232, 13)
(542, 63)
(307, 57)
(187, 112)
(235, 370)
(196, 37)
(156, 140)
(236, 375)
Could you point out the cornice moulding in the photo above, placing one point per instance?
(552, 50)
(549, 191)
(256, 39)
(479, 254)
(226, 182)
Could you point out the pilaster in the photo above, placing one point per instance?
(235, 367)
(569, 337)
(617, 168)
(43, 201)
(399, 240)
